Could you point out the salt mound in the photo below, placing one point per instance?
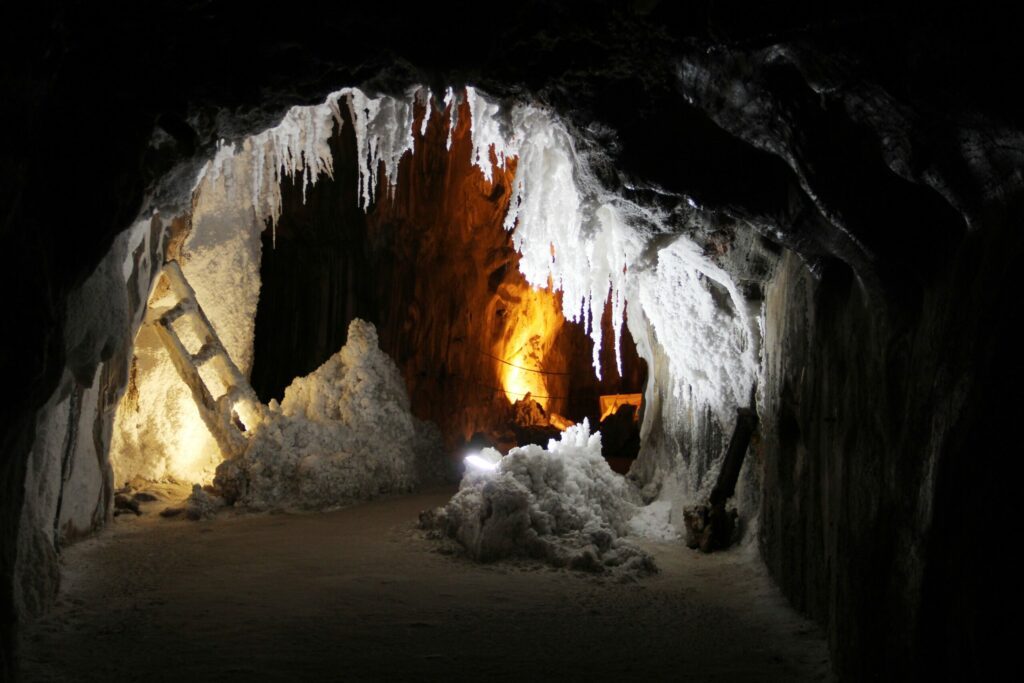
(562, 504)
(342, 433)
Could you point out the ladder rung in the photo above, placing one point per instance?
(175, 312)
(207, 351)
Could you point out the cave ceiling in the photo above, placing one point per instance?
(822, 129)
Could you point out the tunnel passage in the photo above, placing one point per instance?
(484, 356)
(938, 75)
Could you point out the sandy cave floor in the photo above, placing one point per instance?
(360, 594)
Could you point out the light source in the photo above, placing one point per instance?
(485, 461)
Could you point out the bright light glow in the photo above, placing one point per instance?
(483, 462)
(158, 432)
(196, 454)
(249, 413)
(532, 323)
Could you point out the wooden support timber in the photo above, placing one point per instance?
(712, 526)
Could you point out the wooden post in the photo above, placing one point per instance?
(711, 526)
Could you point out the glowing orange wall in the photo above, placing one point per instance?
(432, 266)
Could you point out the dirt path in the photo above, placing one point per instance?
(357, 594)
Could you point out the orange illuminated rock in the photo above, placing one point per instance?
(470, 335)
(610, 403)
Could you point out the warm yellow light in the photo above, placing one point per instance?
(610, 403)
(519, 384)
(533, 323)
(250, 414)
(195, 452)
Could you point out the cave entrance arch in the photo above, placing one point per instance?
(426, 259)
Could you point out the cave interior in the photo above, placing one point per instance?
(653, 218)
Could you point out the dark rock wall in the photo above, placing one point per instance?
(69, 478)
(316, 274)
(885, 467)
(886, 366)
(446, 269)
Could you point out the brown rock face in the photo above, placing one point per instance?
(431, 265)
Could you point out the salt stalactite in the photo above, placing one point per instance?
(383, 134)
(573, 234)
(711, 350)
(587, 242)
(300, 145)
(487, 133)
(423, 95)
(451, 104)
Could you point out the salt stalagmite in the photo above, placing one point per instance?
(562, 504)
(343, 433)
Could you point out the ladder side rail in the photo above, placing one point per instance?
(229, 374)
(208, 407)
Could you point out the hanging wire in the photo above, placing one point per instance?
(539, 372)
(515, 393)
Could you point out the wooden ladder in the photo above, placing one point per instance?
(231, 415)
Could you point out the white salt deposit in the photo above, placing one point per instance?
(235, 196)
(342, 433)
(562, 504)
(654, 521)
(383, 134)
(571, 231)
(587, 242)
(251, 172)
(712, 351)
(489, 132)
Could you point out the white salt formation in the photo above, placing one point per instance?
(562, 504)
(588, 242)
(158, 433)
(251, 172)
(713, 353)
(342, 433)
(570, 229)
(691, 324)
